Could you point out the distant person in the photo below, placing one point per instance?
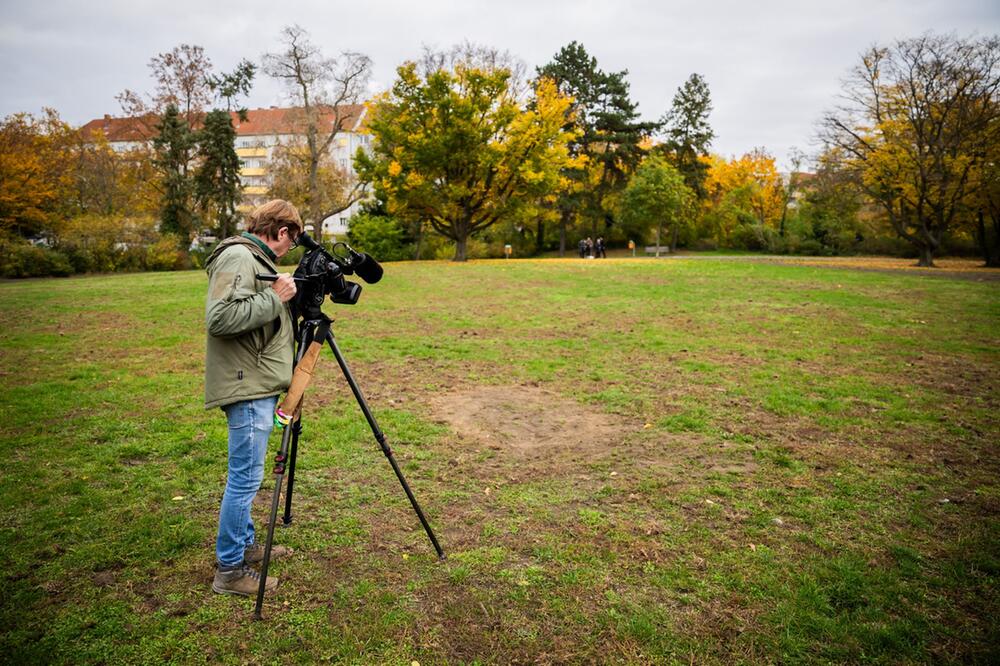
(248, 362)
(582, 245)
(590, 248)
(599, 248)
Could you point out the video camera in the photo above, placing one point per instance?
(321, 272)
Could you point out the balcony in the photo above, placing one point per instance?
(255, 189)
(252, 152)
(253, 171)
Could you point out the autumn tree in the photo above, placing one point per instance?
(910, 130)
(741, 192)
(324, 90)
(171, 113)
(456, 147)
(183, 79)
(982, 217)
(36, 172)
(687, 134)
(609, 136)
(292, 180)
(792, 186)
(109, 182)
(657, 193)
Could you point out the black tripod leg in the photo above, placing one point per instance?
(380, 438)
(296, 427)
(291, 432)
(279, 475)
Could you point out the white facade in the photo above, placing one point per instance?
(256, 152)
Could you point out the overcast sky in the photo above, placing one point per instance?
(772, 66)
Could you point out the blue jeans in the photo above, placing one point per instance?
(250, 424)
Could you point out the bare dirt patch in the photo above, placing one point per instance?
(527, 420)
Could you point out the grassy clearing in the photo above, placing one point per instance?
(798, 464)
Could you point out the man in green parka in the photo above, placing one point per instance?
(248, 363)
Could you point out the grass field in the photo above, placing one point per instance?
(626, 461)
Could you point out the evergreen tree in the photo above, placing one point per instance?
(173, 146)
(688, 134)
(610, 134)
(217, 179)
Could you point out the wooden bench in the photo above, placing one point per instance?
(651, 249)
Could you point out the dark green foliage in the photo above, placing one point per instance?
(656, 194)
(611, 131)
(688, 134)
(234, 84)
(382, 237)
(217, 179)
(828, 212)
(174, 145)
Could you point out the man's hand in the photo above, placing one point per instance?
(284, 286)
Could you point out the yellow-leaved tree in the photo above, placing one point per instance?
(739, 192)
(36, 173)
(458, 148)
(911, 133)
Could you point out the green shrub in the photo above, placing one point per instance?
(383, 237)
(164, 255)
(20, 259)
(812, 247)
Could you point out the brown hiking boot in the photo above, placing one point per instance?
(254, 553)
(241, 580)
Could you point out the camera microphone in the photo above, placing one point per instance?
(365, 267)
(355, 262)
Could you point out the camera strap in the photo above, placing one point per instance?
(303, 373)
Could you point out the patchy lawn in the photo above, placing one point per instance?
(627, 461)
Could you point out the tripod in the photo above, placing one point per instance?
(312, 335)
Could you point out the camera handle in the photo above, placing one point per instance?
(311, 334)
(273, 277)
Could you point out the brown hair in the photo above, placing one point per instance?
(268, 219)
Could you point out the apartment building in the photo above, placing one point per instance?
(257, 137)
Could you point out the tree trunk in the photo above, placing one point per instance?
(563, 221)
(989, 240)
(314, 211)
(460, 251)
(659, 228)
(926, 256)
(420, 240)
(673, 240)
(540, 237)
